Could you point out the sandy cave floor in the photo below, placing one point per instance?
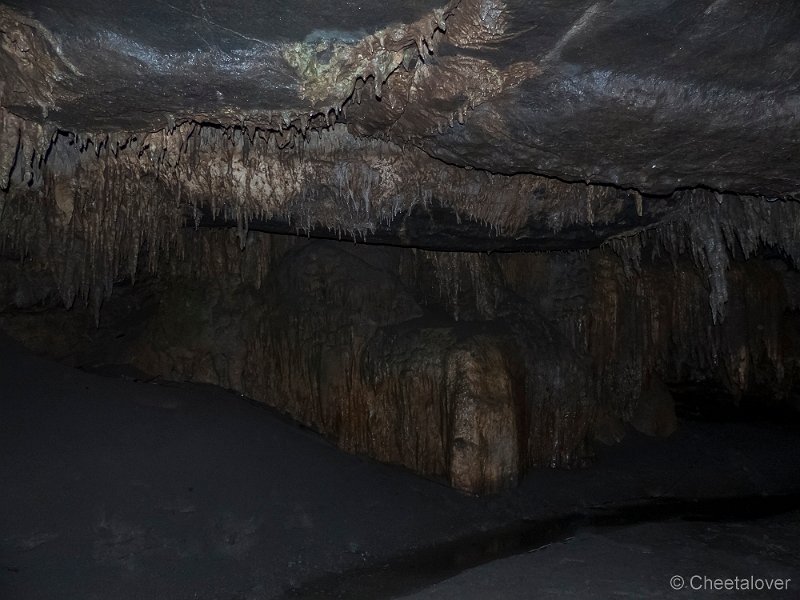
(115, 488)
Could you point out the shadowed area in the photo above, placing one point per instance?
(117, 487)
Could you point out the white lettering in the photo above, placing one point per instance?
(706, 583)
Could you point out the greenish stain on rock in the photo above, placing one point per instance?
(329, 62)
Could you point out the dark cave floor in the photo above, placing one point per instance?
(114, 488)
(640, 561)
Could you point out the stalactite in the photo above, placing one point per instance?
(336, 180)
(89, 231)
(714, 228)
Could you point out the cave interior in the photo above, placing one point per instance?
(399, 299)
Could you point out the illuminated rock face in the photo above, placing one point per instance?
(577, 208)
(487, 410)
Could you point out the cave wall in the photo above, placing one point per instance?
(469, 366)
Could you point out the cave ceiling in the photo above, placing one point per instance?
(534, 125)
(652, 95)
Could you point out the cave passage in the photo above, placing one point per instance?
(427, 299)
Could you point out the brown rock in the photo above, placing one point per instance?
(655, 412)
(484, 449)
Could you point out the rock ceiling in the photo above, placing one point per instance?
(651, 95)
(475, 125)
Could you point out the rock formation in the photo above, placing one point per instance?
(562, 212)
